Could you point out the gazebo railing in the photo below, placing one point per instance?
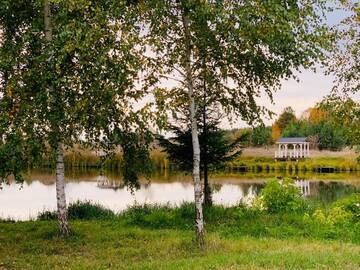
(297, 152)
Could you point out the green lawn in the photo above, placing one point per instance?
(289, 233)
(113, 244)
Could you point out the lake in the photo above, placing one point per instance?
(24, 201)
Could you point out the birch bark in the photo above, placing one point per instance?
(60, 178)
(198, 191)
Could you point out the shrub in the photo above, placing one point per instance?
(351, 205)
(261, 136)
(280, 196)
(47, 215)
(81, 210)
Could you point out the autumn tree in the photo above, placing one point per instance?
(67, 76)
(236, 50)
(314, 115)
(285, 118)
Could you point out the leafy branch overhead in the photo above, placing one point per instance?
(79, 87)
(241, 50)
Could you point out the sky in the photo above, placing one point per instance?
(310, 89)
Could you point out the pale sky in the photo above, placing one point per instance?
(301, 95)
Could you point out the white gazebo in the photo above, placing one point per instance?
(292, 148)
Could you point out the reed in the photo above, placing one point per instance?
(337, 164)
(87, 159)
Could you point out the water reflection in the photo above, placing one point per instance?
(38, 192)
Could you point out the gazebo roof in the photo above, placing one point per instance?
(291, 140)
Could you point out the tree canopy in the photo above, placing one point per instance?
(68, 72)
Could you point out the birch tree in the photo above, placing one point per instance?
(241, 50)
(67, 76)
(344, 64)
(344, 60)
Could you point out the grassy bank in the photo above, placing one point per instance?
(115, 245)
(287, 232)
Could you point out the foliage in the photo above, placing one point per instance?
(279, 196)
(231, 36)
(323, 132)
(160, 216)
(330, 135)
(351, 205)
(339, 222)
(285, 118)
(346, 111)
(219, 148)
(315, 115)
(345, 57)
(296, 128)
(275, 132)
(85, 210)
(261, 136)
(343, 63)
(69, 89)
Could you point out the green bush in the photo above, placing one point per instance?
(148, 215)
(81, 210)
(261, 136)
(47, 215)
(160, 216)
(279, 196)
(351, 205)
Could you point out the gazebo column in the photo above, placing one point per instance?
(294, 150)
(301, 150)
(279, 151)
(297, 151)
(286, 149)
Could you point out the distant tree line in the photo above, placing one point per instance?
(320, 125)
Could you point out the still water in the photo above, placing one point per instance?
(37, 193)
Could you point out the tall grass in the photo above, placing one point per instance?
(232, 222)
(311, 164)
(86, 210)
(87, 159)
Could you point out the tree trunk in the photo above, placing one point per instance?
(60, 192)
(199, 219)
(60, 179)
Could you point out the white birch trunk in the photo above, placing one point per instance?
(198, 190)
(60, 191)
(60, 177)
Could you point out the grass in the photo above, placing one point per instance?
(115, 245)
(81, 210)
(162, 237)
